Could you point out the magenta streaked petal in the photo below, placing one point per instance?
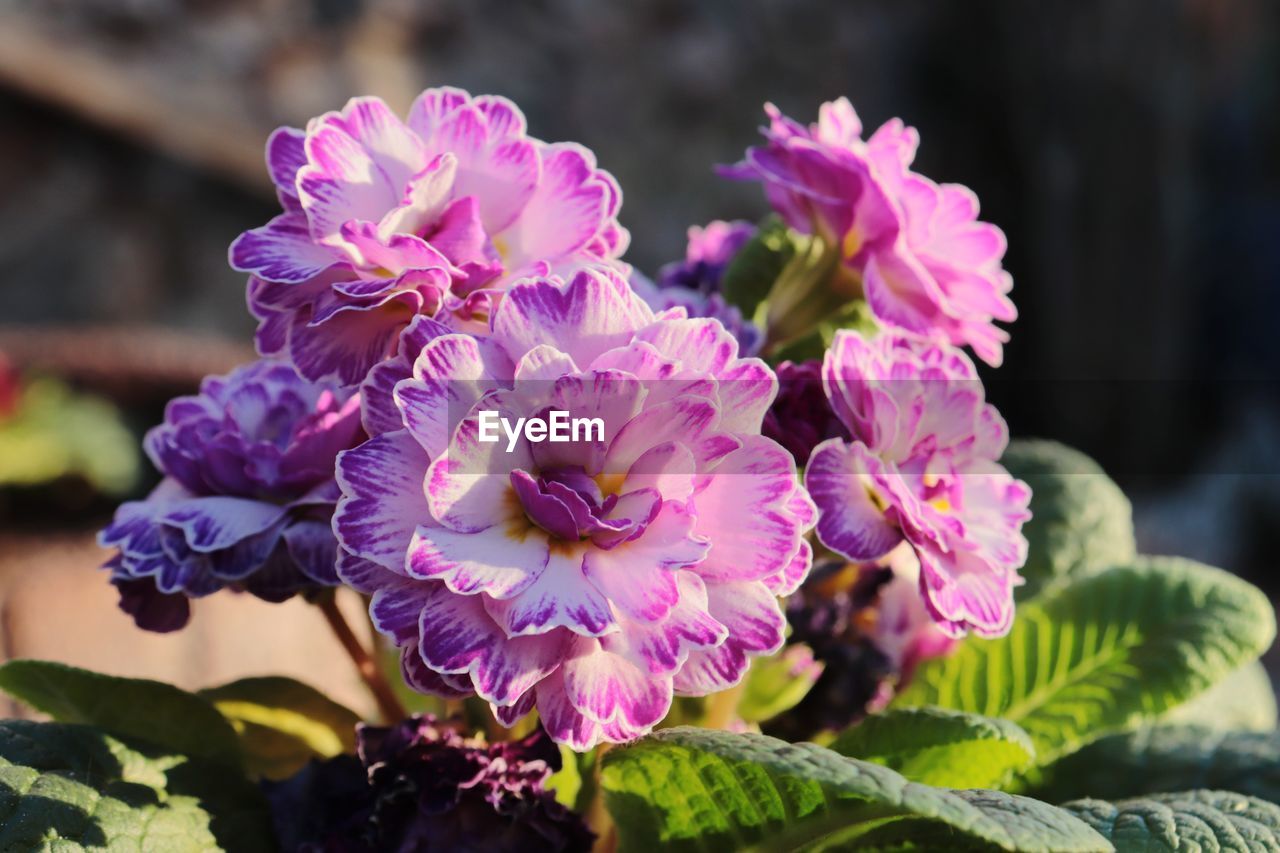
(607, 687)
(787, 581)
(595, 312)
(662, 647)
(281, 250)
(378, 409)
(741, 509)
(467, 487)
(639, 576)
(841, 478)
(286, 154)
(314, 550)
(509, 715)
(565, 211)
(395, 609)
(353, 339)
(456, 636)
(701, 345)
(450, 374)
(501, 562)
(756, 626)
(424, 679)
(431, 107)
(341, 182)
(383, 502)
(396, 151)
(560, 597)
(966, 593)
(213, 523)
(363, 575)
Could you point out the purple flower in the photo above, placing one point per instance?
(421, 785)
(801, 418)
(591, 579)
(711, 248)
(247, 496)
(916, 249)
(387, 219)
(694, 283)
(922, 469)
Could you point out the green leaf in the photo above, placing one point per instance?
(778, 683)
(1190, 821)
(938, 747)
(1243, 701)
(1169, 758)
(152, 711)
(1080, 520)
(700, 790)
(283, 723)
(1104, 653)
(567, 781)
(65, 785)
(754, 270)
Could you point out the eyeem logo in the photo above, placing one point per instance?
(557, 427)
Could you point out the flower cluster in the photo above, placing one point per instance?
(921, 469)
(387, 219)
(916, 249)
(421, 784)
(428, 273)
(594, 579)
(246, 499)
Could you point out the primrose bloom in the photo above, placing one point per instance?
(387, 219)
(922, 469)
(694, 283)
(915, 249)
(590, 579)
(247, 497)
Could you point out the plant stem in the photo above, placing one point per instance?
(598, 817)
(370, 673)
(722, 707)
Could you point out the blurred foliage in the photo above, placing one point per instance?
(52, 432)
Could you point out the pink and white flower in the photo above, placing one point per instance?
(914, 248)
(594, 579)
(922, 469)
(387, 219)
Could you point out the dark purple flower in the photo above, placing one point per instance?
(709, 253)
(429, 788)
(694, 283)
(247, 497)
(801, 418)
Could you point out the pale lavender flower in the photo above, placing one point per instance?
(922, 469)
(915, 249)
(592, 579)
(387, 219)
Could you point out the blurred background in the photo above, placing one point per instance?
(1129, 151)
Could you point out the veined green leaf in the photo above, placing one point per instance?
(1080, 520)
(1168, 758)
(690, 789)
(72, 787)
(1194, 820)
(939, 747)
(1105, 653)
